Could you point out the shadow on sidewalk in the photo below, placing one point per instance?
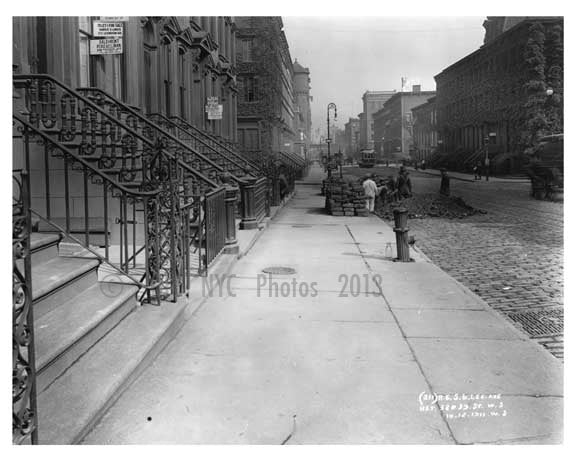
(317, 211)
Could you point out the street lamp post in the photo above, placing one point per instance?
(486, 158)
(328, 140)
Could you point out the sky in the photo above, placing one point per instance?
(349, 55)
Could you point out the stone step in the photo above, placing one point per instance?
(58, 280)
(66, 333)
(74, 403)
(43, 247)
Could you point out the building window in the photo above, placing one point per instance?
(182, 83)
(248, 88)
(245, 51)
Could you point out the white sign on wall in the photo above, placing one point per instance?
(106, 46)
(213, 109)
(108, 29)
(215, 112)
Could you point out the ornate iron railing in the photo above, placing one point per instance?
(188, 131)
(261, 199)
(212, 163)
(24, 416)
(214, 224)
(108, 142)
(98, 191)
(203, 143)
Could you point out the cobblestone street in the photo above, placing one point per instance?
(512, 256)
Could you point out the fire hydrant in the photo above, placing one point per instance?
(401, 230)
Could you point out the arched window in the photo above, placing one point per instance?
(149, 64)
(166, 70)
(182, 83)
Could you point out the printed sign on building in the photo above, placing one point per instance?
(215, 112)
(106, 46)
(108, 29)
(213, 109)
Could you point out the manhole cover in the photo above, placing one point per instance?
(540, 322)
(279, 270)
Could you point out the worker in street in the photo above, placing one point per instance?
(444, 183)
(371, 190)
(403, 183)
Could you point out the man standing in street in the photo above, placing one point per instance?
(370, 191)
(445, 183)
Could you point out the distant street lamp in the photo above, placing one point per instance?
(328, 140)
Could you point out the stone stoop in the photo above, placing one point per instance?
(92, 339)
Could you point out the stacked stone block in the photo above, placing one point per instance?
(345, 198)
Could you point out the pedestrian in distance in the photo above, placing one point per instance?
(282, 185)
(371, 190)
(403, 183)
(444, 183)
(479, 170)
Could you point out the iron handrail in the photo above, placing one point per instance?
(79, 159)
(156, 127)
(217, 142)
(198, 139)
(111, 183)
(24, 407)
(149, 143)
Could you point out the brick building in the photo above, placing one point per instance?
(393, 122)
(266, 104)
(372, 102)
(303, 118)
(499, 92)
(424, 131)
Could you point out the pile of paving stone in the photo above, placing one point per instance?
(429, 206)
(345, 197)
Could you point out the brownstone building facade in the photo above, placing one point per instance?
(169, 65)
(393, 123)
(266, 115)
(510, 90)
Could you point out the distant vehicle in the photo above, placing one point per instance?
(546, 167)
(367, 158)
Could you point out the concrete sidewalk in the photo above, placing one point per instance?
(351, 348)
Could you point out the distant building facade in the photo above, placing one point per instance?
(393, 122)
(372, 102)
(498, 92)
(362, 125)
(352, 136)
(424, 131)
(266, 101)
(303, 116)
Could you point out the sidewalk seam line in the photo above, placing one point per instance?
(430, 388)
